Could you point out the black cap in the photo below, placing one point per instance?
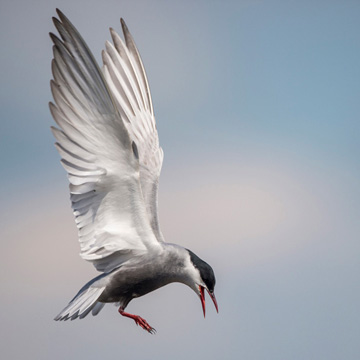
(206, 272)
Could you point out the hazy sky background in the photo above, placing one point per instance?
(257, 106)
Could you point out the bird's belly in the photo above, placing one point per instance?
(128, 284)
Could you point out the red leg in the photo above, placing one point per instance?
(138, 320)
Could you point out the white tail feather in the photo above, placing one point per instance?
(82, 304)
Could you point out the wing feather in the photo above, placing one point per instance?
(98, 155)
(127, 81)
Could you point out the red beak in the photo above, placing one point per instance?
(202, 299)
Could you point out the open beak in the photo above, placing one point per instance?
(202, 298)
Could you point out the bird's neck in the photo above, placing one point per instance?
(178, 264)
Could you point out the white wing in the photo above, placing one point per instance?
(125, 75)
(98, 154)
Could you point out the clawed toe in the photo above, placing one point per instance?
(143, 323)
(138, 320)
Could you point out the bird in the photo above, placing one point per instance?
(108, 142)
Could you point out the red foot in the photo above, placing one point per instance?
(138, 320)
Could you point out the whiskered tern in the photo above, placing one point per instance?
(109, 146)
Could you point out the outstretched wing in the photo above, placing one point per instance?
(126, 78)
(100, 157)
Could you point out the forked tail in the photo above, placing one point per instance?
(84, 302)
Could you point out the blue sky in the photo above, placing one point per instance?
(257, 108)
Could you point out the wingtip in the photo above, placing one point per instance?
(64, 20)
(60, 13)
(114, 36)
(56, 22)
(54, 129)
(103, 55)
(54, 38)
(124, 26)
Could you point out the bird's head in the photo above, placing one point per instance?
(203, 279)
